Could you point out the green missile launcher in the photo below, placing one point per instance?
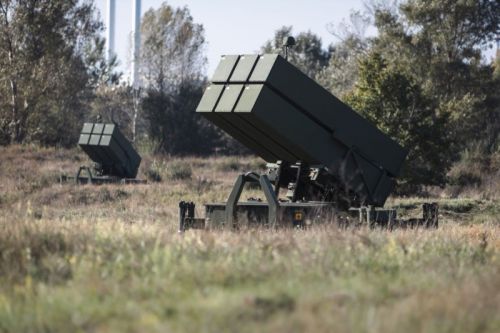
(332, 162)
(282, 115)
(114, 157)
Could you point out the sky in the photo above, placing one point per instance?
(239, 27)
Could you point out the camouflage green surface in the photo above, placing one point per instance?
(106, 145)
(279, 113)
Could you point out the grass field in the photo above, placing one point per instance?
(109, 259)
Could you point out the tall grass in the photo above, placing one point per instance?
(109, 259)
(106, 275)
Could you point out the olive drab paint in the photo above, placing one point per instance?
(281, 114)
(107, 146)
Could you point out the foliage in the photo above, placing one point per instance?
(172, 48)
(475, 170)
(53, 76)
(440, 43)
(173, 125)
(50, 60)
(395, 103)
(154, 170)
(437, 46)
(341, 72)
(179, 171)
(436, 98)
(172, 61)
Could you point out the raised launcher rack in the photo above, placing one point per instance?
(115, 159)
(331, 161)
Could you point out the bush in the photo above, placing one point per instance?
(392, 100)
(153, 173)
(179, 171)
(230, 164)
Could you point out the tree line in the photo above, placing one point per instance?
(423, 79)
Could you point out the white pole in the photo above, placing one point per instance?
(136, 46)
(136, 41)
(110, 21)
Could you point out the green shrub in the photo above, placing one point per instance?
(230, 164)
(202, 185)
(153, 173)
(179, 171)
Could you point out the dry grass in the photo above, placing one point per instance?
(109, 259)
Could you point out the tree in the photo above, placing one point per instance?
(341, 72)
(45, 74)
(172, 63)
(395, 103)
(440, 43)
(494, 100)
(172, 48)
(308, 54)
(174, 126)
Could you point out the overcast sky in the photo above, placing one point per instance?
(238, 27)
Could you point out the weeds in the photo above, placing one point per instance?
(235, 280)
(109, 258)
(153, 173)
(179, 170)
